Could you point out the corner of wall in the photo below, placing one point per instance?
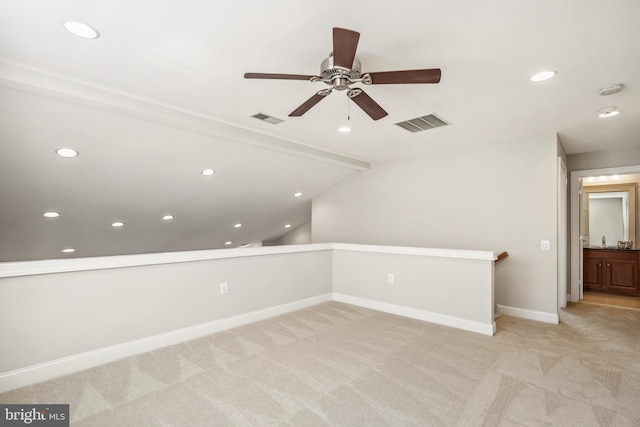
(524, 313)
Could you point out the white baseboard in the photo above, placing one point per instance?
(427, 316)
(540, 316)
(68, 365)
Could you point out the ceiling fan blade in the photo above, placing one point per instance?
(407, 76)
(345, 43)
(309, 103)
(277, 76)
(367, 104)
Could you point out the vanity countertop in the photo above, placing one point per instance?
(609, 248)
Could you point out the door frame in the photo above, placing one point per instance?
(563, 241)
(576, 239)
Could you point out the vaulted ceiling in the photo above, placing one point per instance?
(160, 96)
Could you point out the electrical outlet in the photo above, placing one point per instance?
(391, 278)
(224, 287)
(545, 245)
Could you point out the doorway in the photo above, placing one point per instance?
(577, 238)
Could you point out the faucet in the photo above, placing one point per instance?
(604, 242)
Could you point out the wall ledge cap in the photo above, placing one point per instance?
(31, 268)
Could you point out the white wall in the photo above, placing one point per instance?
(298, 236)
(604, 159)
(451, 291)
(51, 316)
(491, 197)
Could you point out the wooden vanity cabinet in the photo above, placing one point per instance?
(610, 270)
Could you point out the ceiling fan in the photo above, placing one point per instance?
(342, 69)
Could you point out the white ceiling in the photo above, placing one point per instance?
(160, 95)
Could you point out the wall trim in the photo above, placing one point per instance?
(30, 268)
(68, 365)
(524, 313)
(409, 250)
(413, 313)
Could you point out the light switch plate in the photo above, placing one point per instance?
(545, 245)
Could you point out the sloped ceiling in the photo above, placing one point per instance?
(160, 95)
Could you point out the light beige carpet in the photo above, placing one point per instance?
(340, 365)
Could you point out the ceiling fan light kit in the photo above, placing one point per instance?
(342, 69)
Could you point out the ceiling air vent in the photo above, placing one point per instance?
(268, 119)
(419, 124)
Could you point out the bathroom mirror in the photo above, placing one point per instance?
(610, 211)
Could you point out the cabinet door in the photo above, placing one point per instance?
(622, 275)
(592, 273)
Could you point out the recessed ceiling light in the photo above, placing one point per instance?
(344, 129)
(68, 250)
(167, 217)
(287, 226)
(67, 152)
(610, 90)
(238, 225)
(298, 194)
(228, 243)
(608, 112)
(81, 29)
(118, 224)
(543, 75)
(208, 172)
(51, 214)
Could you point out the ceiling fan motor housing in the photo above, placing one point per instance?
(339, 77)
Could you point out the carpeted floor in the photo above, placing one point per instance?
(340, 365)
